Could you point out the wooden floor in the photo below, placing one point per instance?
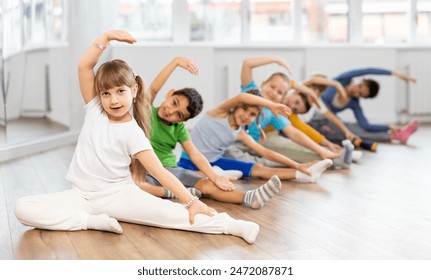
(380, 209)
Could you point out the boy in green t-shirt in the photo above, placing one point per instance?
(168, 129)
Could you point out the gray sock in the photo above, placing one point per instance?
(258, 197)
(349, 151)
(193, 191)
(339, 162)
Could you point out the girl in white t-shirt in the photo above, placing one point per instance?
(112, 142)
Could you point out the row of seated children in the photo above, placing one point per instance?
(127, 145)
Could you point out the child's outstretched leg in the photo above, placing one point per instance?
(258, 197)
(345, 160)
(103, 222)
(404, 133)
(348, 145)
(145, 209)
(339, 162)
(244, 229)
(255, 199)
(316, 170)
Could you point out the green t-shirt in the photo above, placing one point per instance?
(164, 139)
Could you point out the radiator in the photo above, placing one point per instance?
(419, 95)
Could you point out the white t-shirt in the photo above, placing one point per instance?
(104, 150)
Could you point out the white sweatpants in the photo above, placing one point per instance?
(69, 210)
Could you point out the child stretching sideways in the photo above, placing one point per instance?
(222, 126)
(168, 129)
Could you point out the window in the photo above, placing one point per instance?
(149, 19)
(423, 18)
(384, 21)
(11, 14)
(324, 21)
(271, 20)
(302, 21)
(56, 18)
(215, 20)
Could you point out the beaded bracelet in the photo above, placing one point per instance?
(101, 46)
(191, 202)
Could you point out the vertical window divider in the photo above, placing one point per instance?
(181, 22)
(245, 21)
(297, 11)
(411, 15)
(355, 21)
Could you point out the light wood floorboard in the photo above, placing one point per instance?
(379, 209)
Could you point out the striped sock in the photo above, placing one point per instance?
(349, 151)
(258, 197)
(193, 191)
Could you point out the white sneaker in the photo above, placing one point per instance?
(356, 155)
(232, 173)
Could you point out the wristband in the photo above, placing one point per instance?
(100, 46)
(191, 202)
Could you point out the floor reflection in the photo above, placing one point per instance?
(26, 129)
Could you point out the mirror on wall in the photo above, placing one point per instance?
(33, 70)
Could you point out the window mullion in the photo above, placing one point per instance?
(297, 13)
(245, 21)
(411, 16)
(355, 21)
(181, 22)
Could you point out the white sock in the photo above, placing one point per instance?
(244, 229)
(349, 151)
(316, 170)
(221, 172)
(356, 156)
(104, 222)
(258, 197)
(339, 161)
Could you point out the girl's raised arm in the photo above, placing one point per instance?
(250, 63)
(403, 76)
(224, 108)
(166, 72)
(319, 80)
(90, 58)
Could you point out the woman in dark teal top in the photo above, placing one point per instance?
(366, 88)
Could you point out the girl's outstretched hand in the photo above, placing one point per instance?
(404, 77)
(224, 183)
(121, 36)
(187, 64)
(278, 108)
(284, 64)
(198, 207)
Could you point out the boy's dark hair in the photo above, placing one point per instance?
(373, 87)
(306, 102)
(196, 102)
(254, 91)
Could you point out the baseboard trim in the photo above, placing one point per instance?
(14, 151)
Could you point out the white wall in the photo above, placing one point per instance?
(221, 66)
(219, 74)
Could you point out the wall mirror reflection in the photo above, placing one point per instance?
(33, 37)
